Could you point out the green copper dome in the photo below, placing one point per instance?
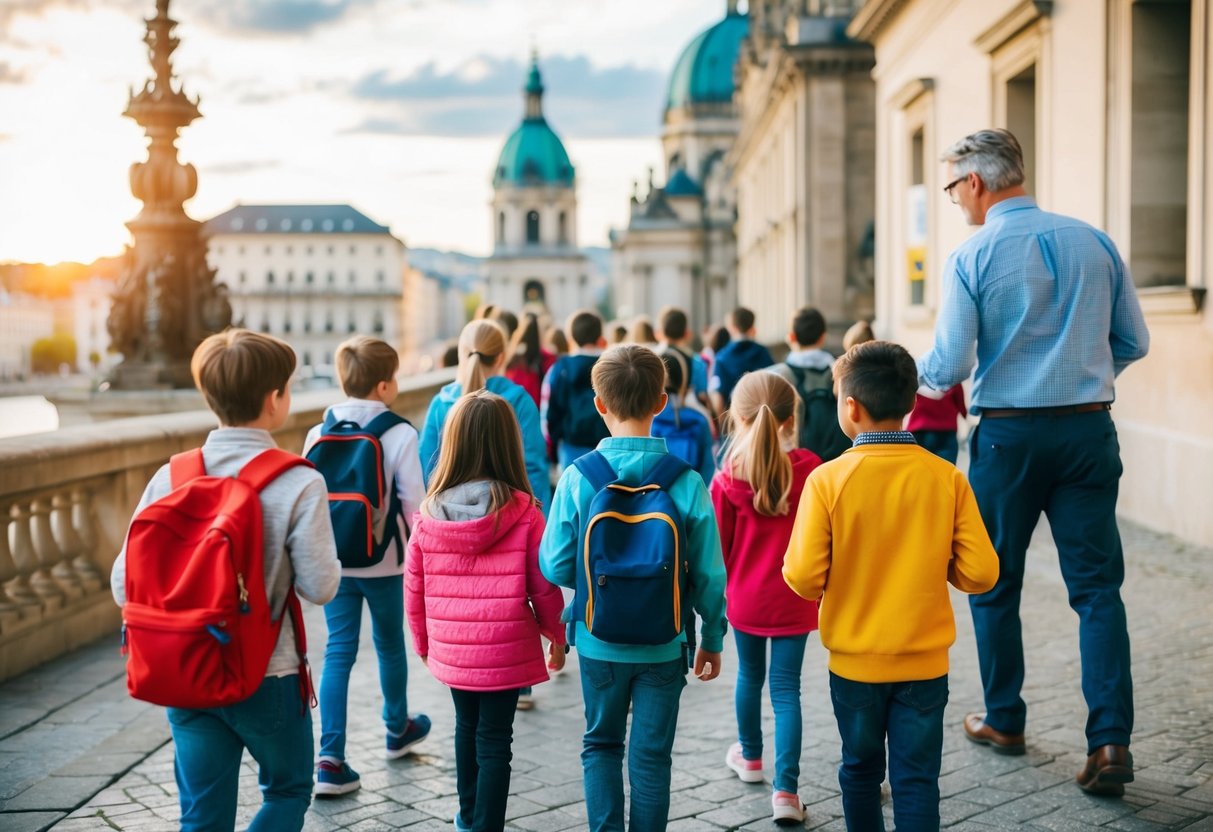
(704, 72)
(533, 155)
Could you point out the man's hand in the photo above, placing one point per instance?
(707, 665)
(555, 656)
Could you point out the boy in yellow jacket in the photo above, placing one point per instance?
(879, 534)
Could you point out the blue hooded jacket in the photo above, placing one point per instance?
(534, 448)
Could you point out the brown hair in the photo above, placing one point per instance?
(585, 328)
(362, 363)
(673, 323)
(629, 379)
(859, 333)
(237, 368)
(881, 376)
(480, 344)
(742, 319)
(642, 332)
(524, 344)
(481, 440)
(557, 340)
(762, 402)
(808, 325)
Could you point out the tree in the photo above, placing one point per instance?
(47, 354)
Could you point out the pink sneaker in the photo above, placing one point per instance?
(787, 809)
(748, 771)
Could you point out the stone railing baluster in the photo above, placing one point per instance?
(67, 542)
(24, 589)
(10, 610)
(84, 528)
(50, 555)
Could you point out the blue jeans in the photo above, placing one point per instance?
(942, 443)
(787, 658)
(484, 730)
(910, 714)
(653, 690)
(385, 598)
(276, 727)
(1069, 468)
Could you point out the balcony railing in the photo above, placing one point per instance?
(66, 498)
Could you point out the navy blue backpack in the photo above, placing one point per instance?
(633, 577)
(363, 506)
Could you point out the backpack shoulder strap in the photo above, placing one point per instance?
(186, 466)
(384, 422)
(595, 468)
(666, 472)
(268, 465)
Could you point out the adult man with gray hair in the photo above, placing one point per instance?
(1043, 306)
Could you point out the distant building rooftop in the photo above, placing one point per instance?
(293, 219)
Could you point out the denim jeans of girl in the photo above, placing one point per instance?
(787, 657)
(484, 732)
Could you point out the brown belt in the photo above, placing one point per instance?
(1068, 410)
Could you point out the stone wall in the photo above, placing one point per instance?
(66, 498)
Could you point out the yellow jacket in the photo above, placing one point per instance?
(879, 534)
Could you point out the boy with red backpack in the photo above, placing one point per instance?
(372, 466)
(223, 540)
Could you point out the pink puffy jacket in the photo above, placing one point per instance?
(476, 600)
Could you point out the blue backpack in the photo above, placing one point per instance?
(633, 576)
(581, 423)
(362, 506)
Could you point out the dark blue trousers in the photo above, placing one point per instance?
(1067, 467)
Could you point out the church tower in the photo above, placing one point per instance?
(536, 265)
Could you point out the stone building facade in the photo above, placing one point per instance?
(803, 165)
(1111, 102)
(310, 274)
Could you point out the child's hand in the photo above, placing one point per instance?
(707, 665)
(555, 656)
(425, 660)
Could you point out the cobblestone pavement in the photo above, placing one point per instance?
(77, 754)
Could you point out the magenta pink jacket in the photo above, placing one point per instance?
(759, 601)
(476, 600)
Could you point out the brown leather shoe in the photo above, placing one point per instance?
(1107, 771)
(977, 731)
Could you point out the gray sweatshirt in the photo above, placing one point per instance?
(298, 536)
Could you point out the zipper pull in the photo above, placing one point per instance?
(244, 607)
(122, 649)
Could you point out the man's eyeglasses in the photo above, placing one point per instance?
(950, 188)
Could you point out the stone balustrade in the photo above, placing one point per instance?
(66, 498)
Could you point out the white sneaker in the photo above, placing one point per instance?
(786, 809)
(748, 771)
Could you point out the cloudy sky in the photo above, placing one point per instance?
(398, 107)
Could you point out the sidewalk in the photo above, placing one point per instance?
(77, 754)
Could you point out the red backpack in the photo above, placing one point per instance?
(196, 623)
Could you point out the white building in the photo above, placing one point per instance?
(310, 274)
(535, 264)
(23, 320)
(91, 302)
(679, 247)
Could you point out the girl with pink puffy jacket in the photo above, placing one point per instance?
(475, 598)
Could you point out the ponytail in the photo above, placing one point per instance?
(762, 402)
(480, 344)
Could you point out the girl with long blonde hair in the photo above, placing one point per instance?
(483, 355)
(755, 494)
(476, 601)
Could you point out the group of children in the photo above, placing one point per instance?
(472, 545)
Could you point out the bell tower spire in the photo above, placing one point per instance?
(534, 90)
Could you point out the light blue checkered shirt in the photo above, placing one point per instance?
(1043, 305)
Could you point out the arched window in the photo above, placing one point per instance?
(501, 227)
(564, 229)
(532, 227)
